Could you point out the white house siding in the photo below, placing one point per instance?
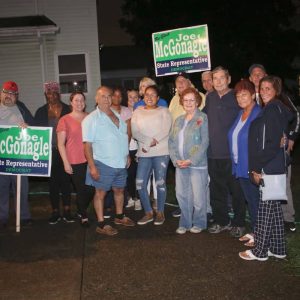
(20, 57)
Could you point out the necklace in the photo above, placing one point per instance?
(113, 118)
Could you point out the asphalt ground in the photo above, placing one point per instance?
(65, 261)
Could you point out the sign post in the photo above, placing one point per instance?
(25, 151)
(181, 50)
(18, 204)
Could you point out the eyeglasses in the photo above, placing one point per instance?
(10, 92)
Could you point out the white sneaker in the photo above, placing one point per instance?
(276, 255)
(195, 229)
(130, 203)
(181, 230)
(137, 205)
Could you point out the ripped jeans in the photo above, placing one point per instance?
(158, 164)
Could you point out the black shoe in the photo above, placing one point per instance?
(55, 217)
(290, 226)
(176, 213)
(3, 224)
(107, 214)
(210, 218)
(85, 223)
(27, 222)
(67, 217)
(78, 215)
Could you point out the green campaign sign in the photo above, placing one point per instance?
(25, 151)
(181, 50)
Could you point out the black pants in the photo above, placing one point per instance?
(59, 181)
(222, 182)
(84, 192)
(131, 187)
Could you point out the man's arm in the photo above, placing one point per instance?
(88, 152)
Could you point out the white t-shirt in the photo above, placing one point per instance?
(235, 134)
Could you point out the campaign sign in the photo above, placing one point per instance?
(181, 50)
(25, 151)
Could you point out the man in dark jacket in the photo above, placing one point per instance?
(222, 109)
(48, 115)
(13, 113)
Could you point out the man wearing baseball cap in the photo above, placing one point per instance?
(48, 115)
(13, 113)
(256, 73)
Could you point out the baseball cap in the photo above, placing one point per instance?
(253, 66)
(10, 86)
(182, 74)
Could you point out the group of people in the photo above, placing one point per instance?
(220, 144)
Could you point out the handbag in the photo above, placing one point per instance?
(273, 187)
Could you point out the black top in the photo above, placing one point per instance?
(221, 113)
(26, 114)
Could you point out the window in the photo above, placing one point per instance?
(128, 84)
(72, 73)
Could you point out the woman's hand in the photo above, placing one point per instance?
(68, 168)
(256, 177)
(154, 142)
(128, 163)
(183, 164)
(290, 146)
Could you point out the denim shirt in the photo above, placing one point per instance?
(195, 140)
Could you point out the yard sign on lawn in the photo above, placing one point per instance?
(25, 151)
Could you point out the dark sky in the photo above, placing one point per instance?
(110, 32)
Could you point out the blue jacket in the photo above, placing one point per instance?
(195, 140)
(241, 168)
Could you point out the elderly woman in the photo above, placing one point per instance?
(266, 155)
(238, 145)
(150, 126)
(70, 146)
(188, 144)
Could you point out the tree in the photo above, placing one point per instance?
(240, 32)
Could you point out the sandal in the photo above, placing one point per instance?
(250, 243)
(248, 255)
(247, 237)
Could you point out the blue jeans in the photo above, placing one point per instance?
(158, 164)
(251, 193)
(6, 183)
(191, 193)
(109, 177)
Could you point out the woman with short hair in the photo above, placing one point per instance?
(188, 145)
